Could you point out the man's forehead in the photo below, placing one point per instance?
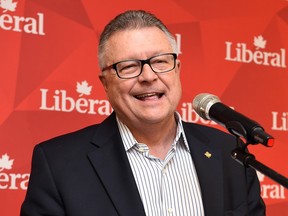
(138, 40)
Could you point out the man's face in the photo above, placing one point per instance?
(150, 98)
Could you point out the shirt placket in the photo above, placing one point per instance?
(168, 209)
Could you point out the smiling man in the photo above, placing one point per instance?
(141, 160)
(144, 94)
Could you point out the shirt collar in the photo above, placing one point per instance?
(129, 140)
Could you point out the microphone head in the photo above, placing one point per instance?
(202, 103)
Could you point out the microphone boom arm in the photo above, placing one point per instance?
(241, 155)
(209, 106)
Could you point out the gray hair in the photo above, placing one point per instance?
(131, 19)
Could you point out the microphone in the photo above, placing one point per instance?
(209, 106)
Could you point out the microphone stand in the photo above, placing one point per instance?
(241, 155)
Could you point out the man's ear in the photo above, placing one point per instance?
(178, 65)
(103, 81)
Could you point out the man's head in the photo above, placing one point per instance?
(133, 19)
(140, 92)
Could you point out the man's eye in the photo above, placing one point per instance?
(127, 68)
(162, 61)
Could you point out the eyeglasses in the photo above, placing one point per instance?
(132, 68)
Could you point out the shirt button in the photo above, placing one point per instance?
(170, 210)
(141, 149)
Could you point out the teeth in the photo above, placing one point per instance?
(148, 95)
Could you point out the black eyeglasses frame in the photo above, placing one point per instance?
(143, 62)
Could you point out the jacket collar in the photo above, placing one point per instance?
(208, 164)
(112, 166)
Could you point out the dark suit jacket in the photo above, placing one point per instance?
(87, 173)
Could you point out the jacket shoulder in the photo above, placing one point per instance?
(213, 137)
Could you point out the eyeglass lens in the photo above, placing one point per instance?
(159, 64)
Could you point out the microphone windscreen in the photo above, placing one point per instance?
(202, 103)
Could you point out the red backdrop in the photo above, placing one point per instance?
(236, 50)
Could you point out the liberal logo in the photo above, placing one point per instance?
(279, 121)
(189, 114)
(5, 162)
(270, 190)
(61, 102)
(8, 5)
(30, 25)
(9, 180)
(83, 88)
(240, 53)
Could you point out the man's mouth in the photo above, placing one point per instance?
(149, 96)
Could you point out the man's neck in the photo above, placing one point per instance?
(158, 137)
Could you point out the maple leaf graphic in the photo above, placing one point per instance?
(83, 88)
(259, 42)
(5, 163)
(8, 5)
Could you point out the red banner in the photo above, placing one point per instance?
(49, 72)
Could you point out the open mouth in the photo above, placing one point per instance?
(149, 96)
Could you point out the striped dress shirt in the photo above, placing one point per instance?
(167, 187)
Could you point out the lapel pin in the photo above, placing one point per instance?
(208, 154)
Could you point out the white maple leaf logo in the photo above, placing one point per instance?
(8, 5)
(259, 42)
(83, 88)
(5, 162)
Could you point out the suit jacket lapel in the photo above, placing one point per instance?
(208, 164)
(112, 166)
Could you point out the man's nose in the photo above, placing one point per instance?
(147, 73)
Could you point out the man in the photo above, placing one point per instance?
(142, 160)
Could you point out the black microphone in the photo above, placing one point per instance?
(209, 106)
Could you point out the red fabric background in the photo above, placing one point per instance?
(55, 47)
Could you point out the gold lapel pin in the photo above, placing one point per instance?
(208, 154)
